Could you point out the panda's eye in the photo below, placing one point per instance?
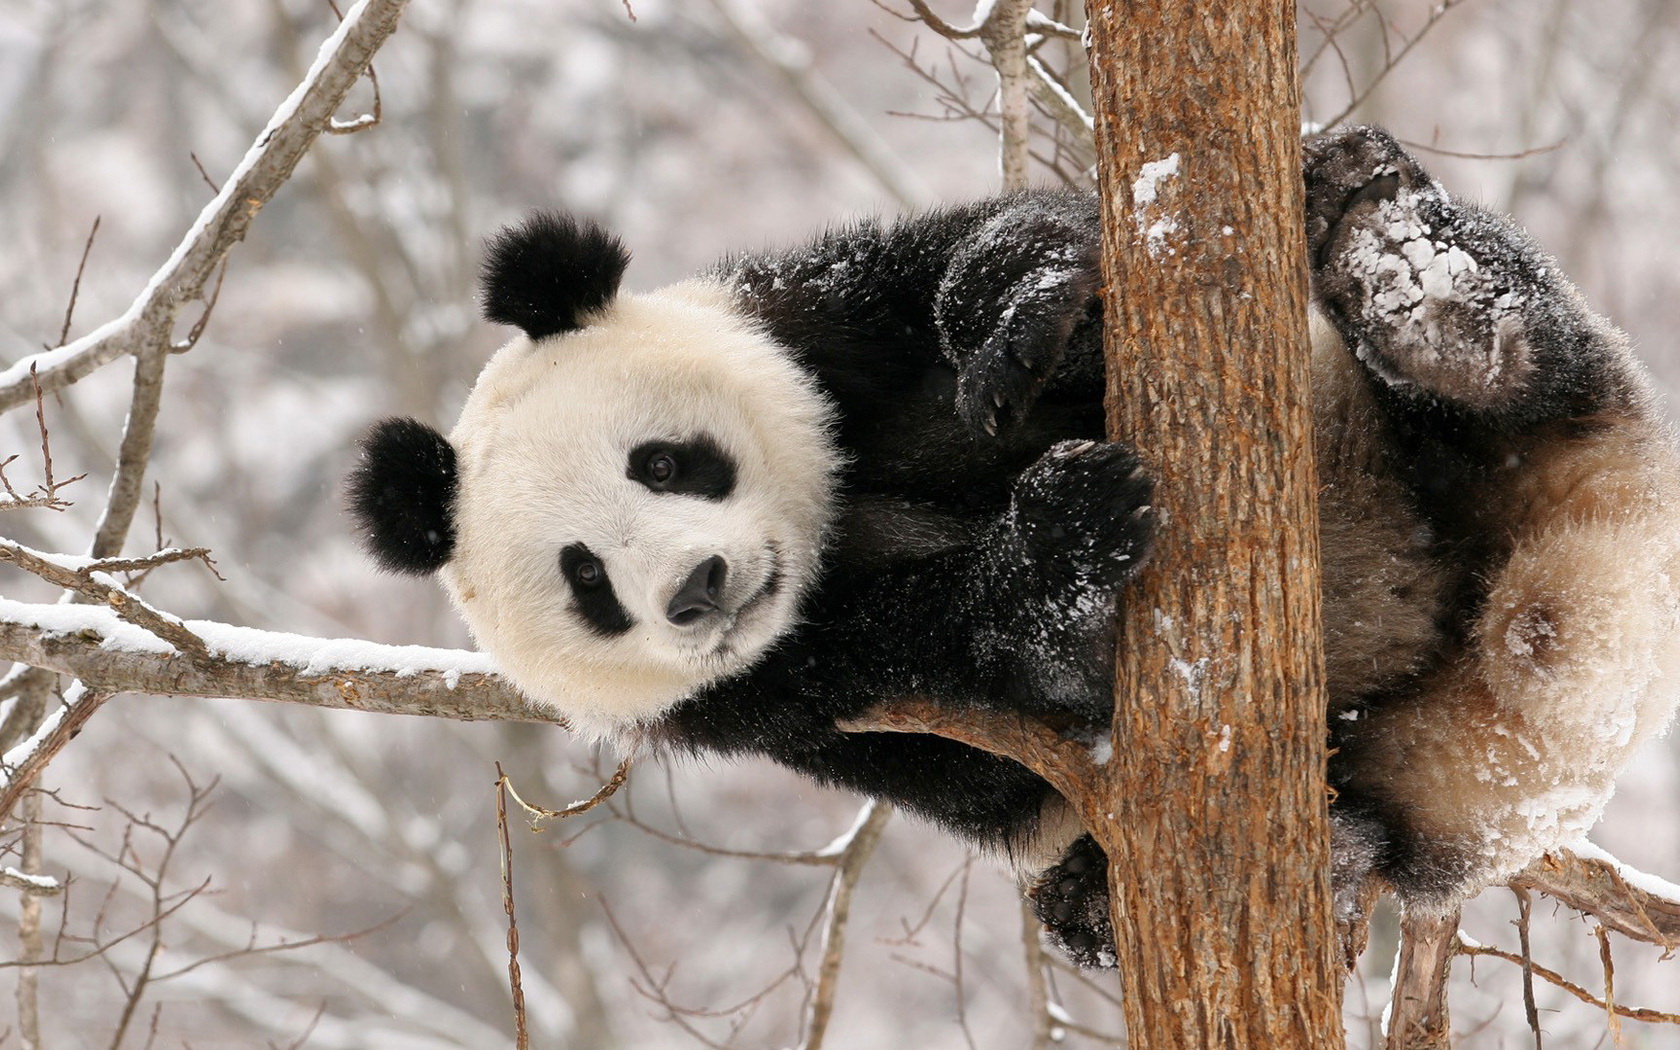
(698, 466)
(582, 568)
(592, 592)
(588, 574)
(661, 468)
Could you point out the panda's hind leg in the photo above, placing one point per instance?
(1441, 299)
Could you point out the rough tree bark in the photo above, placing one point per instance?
(1216, 787)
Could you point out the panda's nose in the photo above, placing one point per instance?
(699, 593)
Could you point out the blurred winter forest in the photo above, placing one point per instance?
(244, 874)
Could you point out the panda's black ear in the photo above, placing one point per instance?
(402, 495)
(545, 273)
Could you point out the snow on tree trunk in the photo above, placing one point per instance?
(1215, 817)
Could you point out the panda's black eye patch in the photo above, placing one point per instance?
(697, 467)
(596, 602)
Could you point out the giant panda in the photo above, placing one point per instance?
(728, 514)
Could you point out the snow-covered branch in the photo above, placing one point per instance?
(95, 646)
(148, 324)
(1636, 905)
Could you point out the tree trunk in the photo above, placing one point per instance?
(1215, 818)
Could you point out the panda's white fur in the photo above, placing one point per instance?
(542, 441)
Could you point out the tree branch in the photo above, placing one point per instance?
(1635, 905)
(148, 324)
(93, 645)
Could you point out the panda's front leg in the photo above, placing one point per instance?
(1049, 579)
(1017, 308)
(1440, 299)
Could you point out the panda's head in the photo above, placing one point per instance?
(635, 495)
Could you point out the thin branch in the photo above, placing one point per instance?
(86, 581)
(790, 60)
(366, 120)
(606, 791)
(866, 835)
(1531, 1013)
(521, 1034)
(46, 494)
(1635, 905)
(1065, 762)
(1609, 964)
(76, 285)
(148, 322)
(1393, 58)
(1464, 946)
(1038, 988)
(25, 762)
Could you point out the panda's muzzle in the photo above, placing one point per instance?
(699, 593)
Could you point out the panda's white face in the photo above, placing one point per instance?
(641, 504)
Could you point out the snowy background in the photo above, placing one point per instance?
(352, 298)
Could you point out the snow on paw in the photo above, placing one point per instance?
(1428, 292)
(1082, 511)
(1002, 379)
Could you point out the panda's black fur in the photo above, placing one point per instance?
(1496, 486)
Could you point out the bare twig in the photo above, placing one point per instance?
(1531, 1013)
(46, 494)
(76, 285)
(865, 836)
(25, 762)
(85, 580)
(1038, 988)
(790, 60)
(1609, 964)
(148, 322)
(521, 1034)
(606, 791)
(1393, 57)
(1465, 947)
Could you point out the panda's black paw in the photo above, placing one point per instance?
(1431, 293)
(1349, 174)
(1082, 514)
(1071, 900)
(1000, 380)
